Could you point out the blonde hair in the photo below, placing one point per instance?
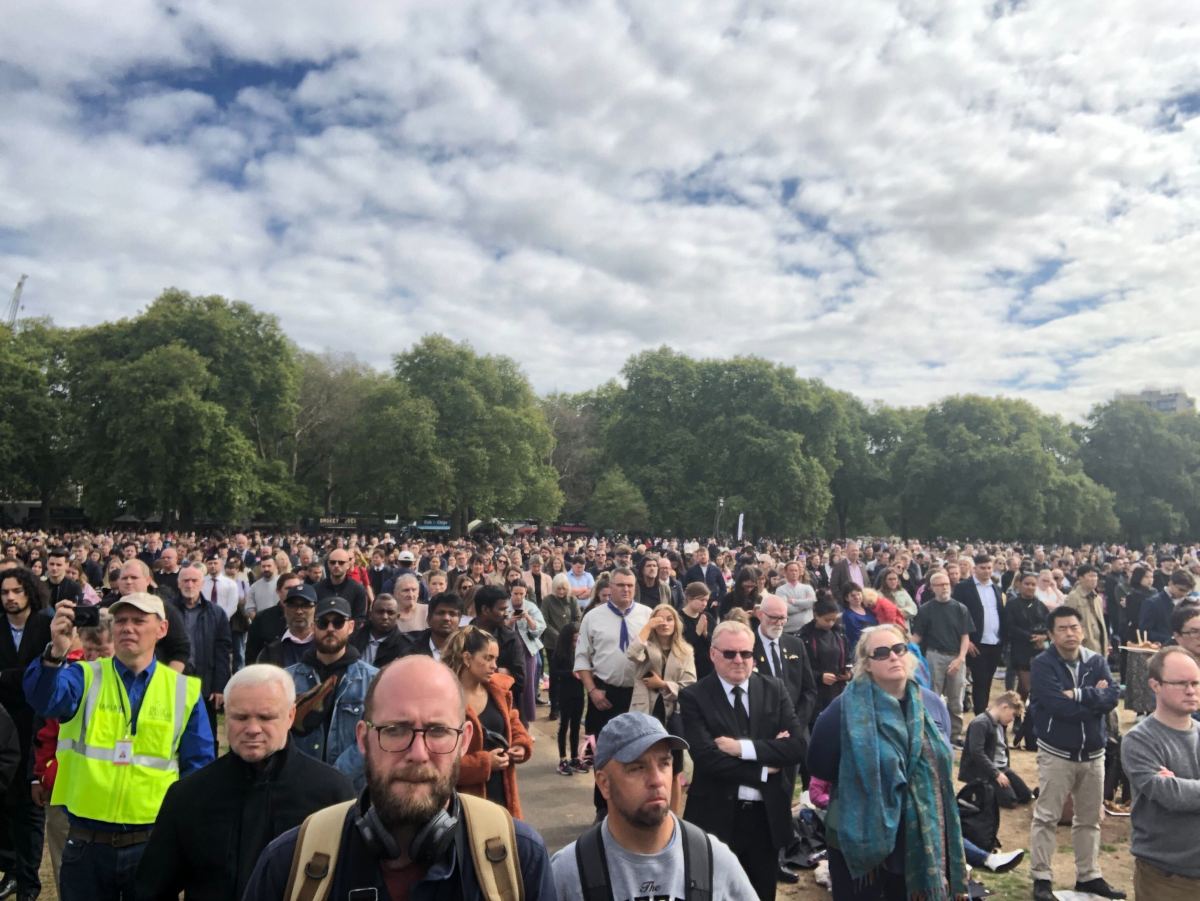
(467, 640)
(1011, 699)
(560, 581)
(861, 659)
(679, 645)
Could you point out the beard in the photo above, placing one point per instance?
(411, 796)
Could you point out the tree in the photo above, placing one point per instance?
(997, 467)
(489, 430)
(617, 504)
(1150, 461)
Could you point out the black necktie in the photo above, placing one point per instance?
(739, 713)
(775, 661)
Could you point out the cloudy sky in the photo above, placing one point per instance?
(906, 199)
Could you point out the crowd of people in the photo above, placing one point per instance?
(376, 694)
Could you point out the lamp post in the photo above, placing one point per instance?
(717, 521)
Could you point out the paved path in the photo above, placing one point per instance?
(559, 807)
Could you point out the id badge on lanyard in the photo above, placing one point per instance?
(123, 752)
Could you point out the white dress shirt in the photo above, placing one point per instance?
(745, 792)
(990, 633)
(227, 593)
(599, 648)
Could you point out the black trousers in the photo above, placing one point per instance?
(597, 719)
(1016, 793)
(750, 841)
(25, 827)
(983, 669)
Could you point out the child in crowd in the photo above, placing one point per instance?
(985, 753)
(570, 699)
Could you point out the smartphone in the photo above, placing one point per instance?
(87, 617)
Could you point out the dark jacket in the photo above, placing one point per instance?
(211, 648)
(1072, 728)
(1025, 618)
(10, 753)
(1155, 620)
(979, 751)
(283, 653)
(967, 595)
(712, 800)
(357, 867)
(839, 577)
(13, 662)
(213, 824)
(350, 591)
(393, 646)
(797, 673)
(268, 625)
(711, 576)
(828, 652)
(512, 657)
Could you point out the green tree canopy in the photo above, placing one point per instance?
(617, 505)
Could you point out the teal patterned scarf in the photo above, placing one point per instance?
(896, 765)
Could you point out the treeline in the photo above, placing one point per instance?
(201, 409)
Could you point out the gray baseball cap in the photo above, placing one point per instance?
(628, 736)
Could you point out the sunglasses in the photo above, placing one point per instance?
(887, 651)
(333, 621)
(734, 655)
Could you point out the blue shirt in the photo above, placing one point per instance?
(57, 692)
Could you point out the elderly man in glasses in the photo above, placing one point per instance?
(331, 684)
(743, 732)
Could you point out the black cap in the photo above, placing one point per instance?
(214, 554)
(301, 591)
(332, 604)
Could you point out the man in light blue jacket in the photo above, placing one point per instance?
(331, 685)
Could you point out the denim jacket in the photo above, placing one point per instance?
(349, 704)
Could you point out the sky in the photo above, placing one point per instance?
(905, 199)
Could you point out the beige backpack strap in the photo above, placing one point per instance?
(493, 838)
(317, 846)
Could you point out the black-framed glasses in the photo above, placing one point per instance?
(1190, 633)
(734, 655)
(332, 621)
(883, 653)
(782, 618)
(396, 738)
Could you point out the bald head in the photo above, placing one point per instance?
(413, 678)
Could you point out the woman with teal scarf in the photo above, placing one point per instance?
(892, 829)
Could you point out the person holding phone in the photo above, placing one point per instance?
(498, 740)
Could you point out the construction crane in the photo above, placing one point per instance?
(14, 306)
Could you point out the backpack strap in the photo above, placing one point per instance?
(317, 847)
(592, 864)
(493, 839)
(697, 862)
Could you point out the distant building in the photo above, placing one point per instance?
(1172, 400)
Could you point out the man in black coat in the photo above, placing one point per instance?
(214, 824)
(444, 615)
(738, 791)
(491, 610)
(708, 573)
(339, 583)
(784, 657)
(381, 641)
(982, 597)
(211, 640)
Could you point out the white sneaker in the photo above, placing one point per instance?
(1000, 862)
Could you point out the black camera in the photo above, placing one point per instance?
(87, 617)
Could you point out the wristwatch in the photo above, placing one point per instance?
(49, 657)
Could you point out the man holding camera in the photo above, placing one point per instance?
(129, 727)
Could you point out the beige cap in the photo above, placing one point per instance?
(147, 603)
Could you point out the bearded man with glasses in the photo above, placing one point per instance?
(409, 835)
(331, 685)
(743, 732)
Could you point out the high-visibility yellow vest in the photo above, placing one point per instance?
(88, 781)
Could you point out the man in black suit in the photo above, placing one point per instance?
(703, 571)
(784, 658)
(849, 569)
(983, 599)
(24, 634)
(382, 639)
(743, 731)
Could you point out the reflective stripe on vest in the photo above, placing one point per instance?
(92, 784)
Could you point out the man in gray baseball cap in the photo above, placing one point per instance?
(638, 848)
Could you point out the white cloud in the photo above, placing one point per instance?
(860, 191)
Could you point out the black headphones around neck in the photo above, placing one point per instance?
(428, 846)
